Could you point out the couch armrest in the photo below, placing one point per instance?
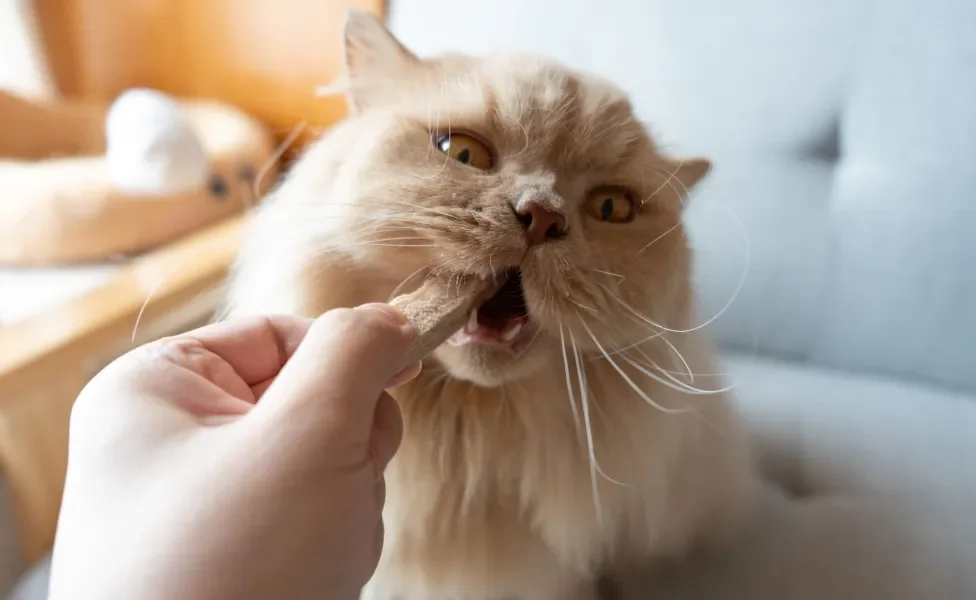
(46, 360)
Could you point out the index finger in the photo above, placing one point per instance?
(255, 347)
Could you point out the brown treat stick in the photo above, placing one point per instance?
(438, 309)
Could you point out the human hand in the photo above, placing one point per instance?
(197, 470)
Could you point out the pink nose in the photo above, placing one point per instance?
(541, 223)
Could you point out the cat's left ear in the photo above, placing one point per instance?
(374, 59)
(687, 172)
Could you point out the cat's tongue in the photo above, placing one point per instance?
(500, 318)
(494, 330)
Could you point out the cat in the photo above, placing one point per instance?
(561, 434)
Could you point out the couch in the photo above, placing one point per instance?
(844, 138)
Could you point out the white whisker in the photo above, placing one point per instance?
(679, 386)
(608, 273)
(629, 381)
(569, 384)
(589, 431)
(396, 290)
(651, 243)
(278, 153)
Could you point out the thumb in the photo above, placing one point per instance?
(333, 380)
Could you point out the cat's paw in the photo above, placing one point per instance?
(151, 149)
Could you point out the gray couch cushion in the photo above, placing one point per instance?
(878, 501)
(34, 584)
(10, 561)
(844, 140)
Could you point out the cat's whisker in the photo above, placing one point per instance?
(433, 271)
(636, 313)
(719, 375)
(399, 222)
(726, 306)
(365, 224)
(365, 244)
(666, 182)
(594, 462)
(425, 209)
(626, 378)
(658, 238)
(525, 134)
(650, 338)
(676, 385)
(399, 239)
(584, 306)
(446, 160)
(353, 244)
(673, 351)
(491, 265)
(637, 347)
(584, 401)
(399, 286)
(687, 371)
(675, 183)
(569, 383)
(464, 273)
(661, 335)
(601, 271)
(387, 207)
(528, 345)
(377, 229)
(435, 129)
(151, 294)
(276, 156)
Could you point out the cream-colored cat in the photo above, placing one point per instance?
(560, 433)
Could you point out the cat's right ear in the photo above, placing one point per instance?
(374, 59)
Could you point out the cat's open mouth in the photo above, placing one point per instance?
(499, 319)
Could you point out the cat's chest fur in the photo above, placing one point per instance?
(497, 484)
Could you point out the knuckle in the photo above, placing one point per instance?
(171, 349)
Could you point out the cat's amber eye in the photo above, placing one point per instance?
(611, 205)
(466, 149)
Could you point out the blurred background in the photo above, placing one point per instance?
(835, 237)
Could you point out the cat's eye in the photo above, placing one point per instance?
(611, 204)
(466, 149)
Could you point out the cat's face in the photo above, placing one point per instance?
(507, 167)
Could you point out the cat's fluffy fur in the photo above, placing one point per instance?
(519, 476)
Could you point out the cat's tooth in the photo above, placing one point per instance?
(472, 322)
(513, 331)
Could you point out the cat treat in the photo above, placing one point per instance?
(439, 308)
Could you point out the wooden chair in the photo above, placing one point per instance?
(264, 56)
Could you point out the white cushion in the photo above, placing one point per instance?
(26, 292)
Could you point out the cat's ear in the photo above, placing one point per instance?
(687, 173)
(374, 58)
(690, 171)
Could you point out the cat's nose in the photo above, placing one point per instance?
(541, 223)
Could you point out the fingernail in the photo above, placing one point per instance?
(405, 375)
(394, 315)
